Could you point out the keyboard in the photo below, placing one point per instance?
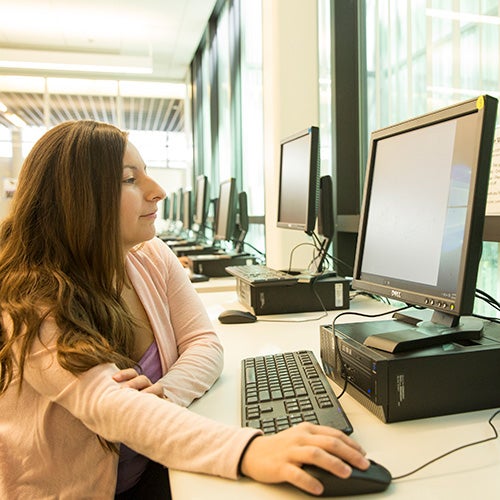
(257, 273)
(282, 390)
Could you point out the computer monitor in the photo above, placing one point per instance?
(299, 181)
(201, 201)
(225, 216)
(421, 223)
(326, 225)
(242, 221)
(172, 212)
(187, 210)
(179, 206)
(166, 208)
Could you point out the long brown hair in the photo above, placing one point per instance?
(61, 253)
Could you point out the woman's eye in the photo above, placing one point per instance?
(129, 180)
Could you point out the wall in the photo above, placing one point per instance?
(291, 103)
(170, 179)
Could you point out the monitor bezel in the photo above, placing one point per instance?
(308, 222)
(463, 303)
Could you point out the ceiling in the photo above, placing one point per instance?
(164, 32)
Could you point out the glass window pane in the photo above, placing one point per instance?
(422, 55)
(224, 94)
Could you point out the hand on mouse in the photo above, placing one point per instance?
(279, 458)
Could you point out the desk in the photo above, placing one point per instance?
(222, 284)
(473, 473)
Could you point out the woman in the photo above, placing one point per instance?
(104, 343)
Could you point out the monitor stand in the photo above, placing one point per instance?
(406, 333)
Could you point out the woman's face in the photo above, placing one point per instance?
(139, 198)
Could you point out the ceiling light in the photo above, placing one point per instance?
(72, 61)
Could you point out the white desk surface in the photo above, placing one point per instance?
(472, 473)
(222, 284)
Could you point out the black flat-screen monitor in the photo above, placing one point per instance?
(201, 201)
(187, 210)
(326, 226)
(166, 208)
(172, 210)
(421, 223)
(179, 205)
(298, 192)
(243, 221)
(225, 217)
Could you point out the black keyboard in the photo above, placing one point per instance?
(281, 390)
(256, 273)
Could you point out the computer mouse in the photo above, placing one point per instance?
(373, 480)
(231, 316)
(198, 278)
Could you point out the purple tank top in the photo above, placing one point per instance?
(131, 465)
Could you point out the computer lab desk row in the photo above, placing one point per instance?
(401, 447)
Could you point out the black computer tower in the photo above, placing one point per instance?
(295, 296)
(452, 378)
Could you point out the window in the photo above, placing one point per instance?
(226, 76)
(422, 55)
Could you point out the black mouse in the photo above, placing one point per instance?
(373, 480)
(231, 316)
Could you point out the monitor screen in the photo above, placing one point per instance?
(225, 217)
(420, 233)
(201, 201)
(299, 181)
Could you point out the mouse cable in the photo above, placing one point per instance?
(474, 443)
(343, 370)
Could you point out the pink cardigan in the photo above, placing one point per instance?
(48, 442)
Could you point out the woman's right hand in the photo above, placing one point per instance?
(279, 458)
(129, 377)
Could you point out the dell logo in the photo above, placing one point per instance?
(396, 293)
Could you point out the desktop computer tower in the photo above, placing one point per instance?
(215, 265)
(294, 297)
(196, 249)
(452, 378)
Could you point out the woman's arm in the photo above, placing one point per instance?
(185, 336)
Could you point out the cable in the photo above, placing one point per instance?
(305, 320)
(252, 247)
(292, 252)
(492, 302)
(474, 443)
(481, 294)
